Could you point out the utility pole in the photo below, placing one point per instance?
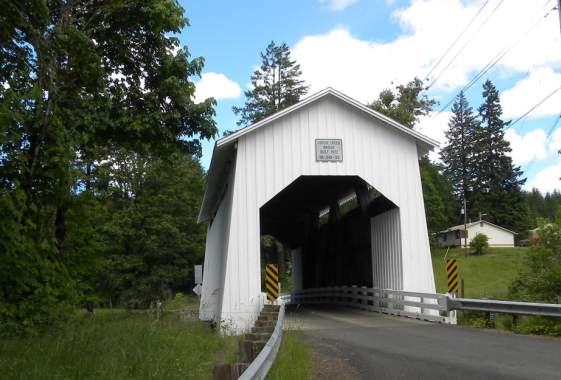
(465, 224)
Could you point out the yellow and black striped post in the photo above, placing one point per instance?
(453, 278)
(272, 281)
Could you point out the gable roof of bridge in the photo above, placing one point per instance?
(224, 148)
(339, 95)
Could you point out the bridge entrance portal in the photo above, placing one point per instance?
(326, 222)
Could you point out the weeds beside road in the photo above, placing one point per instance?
(118, 344)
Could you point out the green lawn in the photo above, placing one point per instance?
(118, 345)
(488, 275)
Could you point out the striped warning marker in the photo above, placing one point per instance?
(272, 281)
(453, 278)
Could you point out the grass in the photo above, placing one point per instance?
(118, 345)
(293, 359)
(485, 276)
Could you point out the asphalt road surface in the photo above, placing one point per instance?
(353, 344)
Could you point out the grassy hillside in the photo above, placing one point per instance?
(488, 275)
(118, 345)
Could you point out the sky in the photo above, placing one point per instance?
(360, 47)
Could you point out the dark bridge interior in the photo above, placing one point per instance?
(329, 218)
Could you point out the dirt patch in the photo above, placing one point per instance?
(328, 361)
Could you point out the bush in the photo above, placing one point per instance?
(479, 243)
(540, 278)
(539, 326)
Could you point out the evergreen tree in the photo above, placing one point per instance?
(536, 207)
(458, 155)
(276, 85)
(497, 182)
(406, 104)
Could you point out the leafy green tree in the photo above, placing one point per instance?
(78, 81)
(153, 229)
(458, 155)
(276, 85)
(540, 278)
(406, 104)
(439, 205)
(497, 182)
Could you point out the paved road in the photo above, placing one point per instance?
(351, 344)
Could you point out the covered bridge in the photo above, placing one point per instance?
(292, 175)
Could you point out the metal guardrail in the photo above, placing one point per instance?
(259, 368)
(505, 307)
(425, 306)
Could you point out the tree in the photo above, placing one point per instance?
(79, 81)
(439, 206)
(539, 279)
(406, 104)
(497, 182)
(479, 243)
(458, 154)
(276, 85)
(155, 237)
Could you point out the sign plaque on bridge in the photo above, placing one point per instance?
(329, 150)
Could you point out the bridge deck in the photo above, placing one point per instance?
(367, 345)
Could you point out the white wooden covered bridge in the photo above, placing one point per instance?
(277, 176)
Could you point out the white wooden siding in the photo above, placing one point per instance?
(270, 158)
(387, 267)
(497, 236)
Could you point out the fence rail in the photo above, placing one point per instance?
(426, 306)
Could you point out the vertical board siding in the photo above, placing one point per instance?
(270, 158)
(386, 250)
(215, 257)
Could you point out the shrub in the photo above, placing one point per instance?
(539, 279)
(479, 243)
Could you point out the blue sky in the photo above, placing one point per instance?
(362, 46)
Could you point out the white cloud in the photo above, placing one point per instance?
(555, 143)
(547, 179)
(529, 91)
(337, 5)
(217, 86)
(361, 68)
(434, 127)
(531, 146)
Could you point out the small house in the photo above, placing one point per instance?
(498, 236)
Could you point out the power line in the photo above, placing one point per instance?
(467, 43)
(457, 39)
(495, 60)
(533, 108)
